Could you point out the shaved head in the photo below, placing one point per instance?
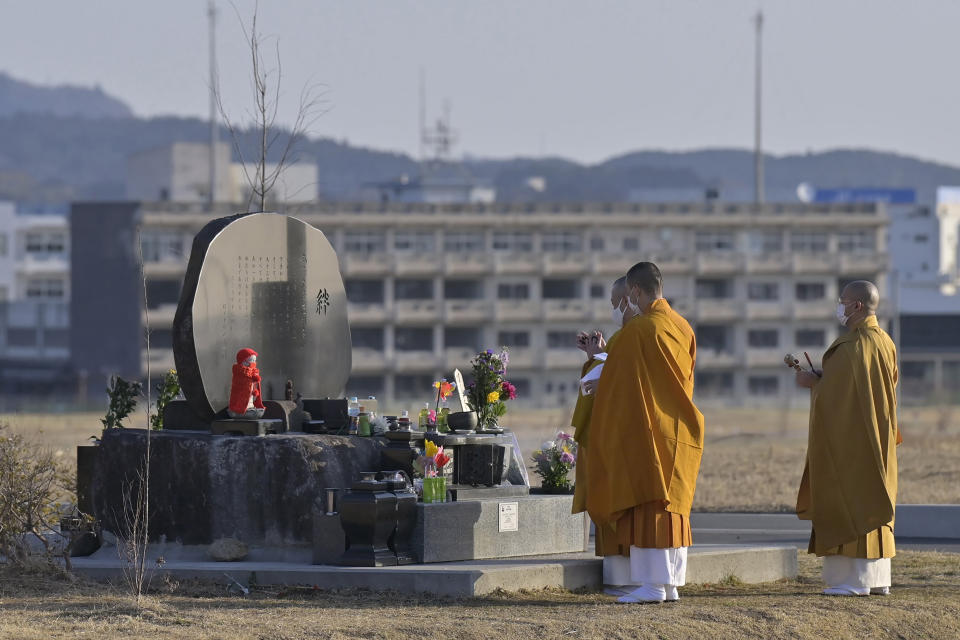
(646, 277)
(864, 292)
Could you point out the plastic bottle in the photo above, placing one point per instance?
(354, 408)
(363, 424)
(424, 422)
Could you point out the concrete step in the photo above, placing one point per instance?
(706, 563)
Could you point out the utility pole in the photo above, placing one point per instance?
(212, 19)
(758, 190)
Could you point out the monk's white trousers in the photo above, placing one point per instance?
(647, 566)
(856, 572)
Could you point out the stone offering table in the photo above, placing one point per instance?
(202, 487)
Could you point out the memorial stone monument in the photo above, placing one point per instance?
(271, 283)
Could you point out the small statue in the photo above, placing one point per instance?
(245, 401)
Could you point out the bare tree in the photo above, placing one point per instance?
(265, 85)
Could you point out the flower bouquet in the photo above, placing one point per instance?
(554, 460)
(431, 466)
(489, 391)
(444, 391)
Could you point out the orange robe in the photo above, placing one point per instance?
(646, 434)
(849, 484)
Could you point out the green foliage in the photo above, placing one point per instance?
(32, 480)
(167, 391)
(123, 400)
(554, 460)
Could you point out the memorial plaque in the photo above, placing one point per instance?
(271, 283)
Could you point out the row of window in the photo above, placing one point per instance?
(758, 241)
(421, 338)
(372, 291)
(39, 244)
(720, 337)
(411, 387)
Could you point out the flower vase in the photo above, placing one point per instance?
(434, 490)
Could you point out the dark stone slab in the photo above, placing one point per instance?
(245, 427)
(280, 410)
(204, 487)
(271, 283)
(179, 415)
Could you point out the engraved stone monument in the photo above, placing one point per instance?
(269, 282)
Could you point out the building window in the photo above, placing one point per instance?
(367, 338)
(714, 289)
(766, 241)
(21, 337)
(523, 387)
(415, 240)
(713, 383)
(857, 241)
(463, 241)
(808, 241)
(921, 238)
(162, 293)
(45, 288)
(562, 241)
(161, 246)
(598, 291)
(714, 241)
(762, 338)
(631, 243)
(810, 337)
(763, 291)
(3, 244)
(560, 289)
(364, 242)
(713, 337)
(596, 243)
(413, 338)
(364, 291)
(411, 386)
(517, 241)
(811, 291)
(420, 289)
(463, 290)
(561, 339)
(366, 386)
(513, 291)
(513, 338)
(462, 337)
(763, 385)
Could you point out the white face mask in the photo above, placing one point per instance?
(841, 314)
(617, 315)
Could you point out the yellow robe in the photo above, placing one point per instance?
(646, 435)
(849, 484)
(581, 425)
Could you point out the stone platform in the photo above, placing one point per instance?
(706, 564)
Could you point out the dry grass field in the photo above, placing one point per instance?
(924, 604)
(752, 458)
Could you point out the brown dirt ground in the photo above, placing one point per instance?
(752, 458)
(923, 604)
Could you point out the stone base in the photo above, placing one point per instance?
(246, 427)
(471, 530)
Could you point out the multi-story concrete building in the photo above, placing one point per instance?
(34, 298)
(428, 285)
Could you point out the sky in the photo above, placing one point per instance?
(585, 80)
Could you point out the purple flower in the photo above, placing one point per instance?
(564, 436)
(566, 458)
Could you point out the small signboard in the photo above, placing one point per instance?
(509, 516)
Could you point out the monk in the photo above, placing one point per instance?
(606, 542)
(849, 484)
(645, 444)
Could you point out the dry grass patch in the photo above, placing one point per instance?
(923, 604)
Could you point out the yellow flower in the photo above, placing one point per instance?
(431, 449)
(493, 396)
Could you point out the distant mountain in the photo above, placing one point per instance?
(17, 96)
(47, 158)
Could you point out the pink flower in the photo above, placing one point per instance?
(566, 458)
(432, 416)
(509, 390)
(564, 436)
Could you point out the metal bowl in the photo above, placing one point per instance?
(462, 421)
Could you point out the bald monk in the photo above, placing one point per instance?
(849, 485)
(606, 542)
(646, 439)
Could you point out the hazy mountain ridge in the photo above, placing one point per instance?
(51, 151)
(17, 96)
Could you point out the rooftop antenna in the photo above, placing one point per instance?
(212, 19)
(758, 181)
(423, 113)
